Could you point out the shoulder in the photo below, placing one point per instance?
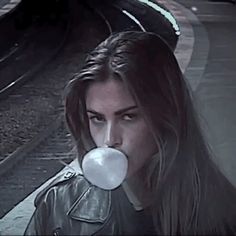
(66, 180)
(77, 197)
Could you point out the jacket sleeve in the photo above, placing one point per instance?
(38, 222)
(44, 201)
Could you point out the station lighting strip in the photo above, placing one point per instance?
(165, 13)
(134, 19)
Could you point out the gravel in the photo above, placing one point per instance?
(34, 106)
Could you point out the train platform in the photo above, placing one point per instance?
(207, 55)
(7, 6)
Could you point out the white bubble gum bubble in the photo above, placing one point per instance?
(105, 168)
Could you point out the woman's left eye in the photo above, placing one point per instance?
(129, 117)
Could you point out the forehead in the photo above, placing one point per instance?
(111, 93)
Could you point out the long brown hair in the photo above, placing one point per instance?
(191, 195)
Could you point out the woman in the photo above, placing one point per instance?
(131, 96)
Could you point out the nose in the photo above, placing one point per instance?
(112, 137)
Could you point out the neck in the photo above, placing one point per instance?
(137, 190)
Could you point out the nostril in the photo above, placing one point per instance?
(113, 145)
(108, 145)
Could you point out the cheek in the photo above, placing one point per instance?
(140, 155)
(141, 142)
(95, 134)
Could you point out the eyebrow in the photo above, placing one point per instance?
(119, 112)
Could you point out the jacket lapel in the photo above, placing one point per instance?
(92, 206)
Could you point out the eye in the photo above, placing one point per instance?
(129, 117)
(96, 119)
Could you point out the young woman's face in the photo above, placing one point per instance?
(116, 121)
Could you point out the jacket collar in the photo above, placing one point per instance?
(93, 205)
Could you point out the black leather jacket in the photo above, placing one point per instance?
(65, 208)
(72, 206)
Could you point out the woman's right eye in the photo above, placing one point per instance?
(96, 119)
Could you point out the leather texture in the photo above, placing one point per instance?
(69, 206)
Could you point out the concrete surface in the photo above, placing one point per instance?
(216, 67)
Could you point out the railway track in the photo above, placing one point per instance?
(36, 161)
(27, 49)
